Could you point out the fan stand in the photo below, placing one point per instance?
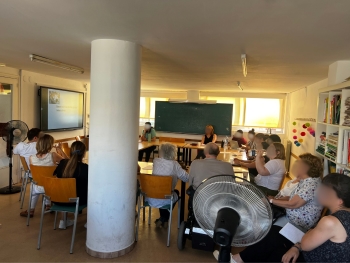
(10, 189)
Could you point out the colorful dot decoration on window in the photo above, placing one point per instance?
(309, 129)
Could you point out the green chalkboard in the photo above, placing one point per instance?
(193, 117)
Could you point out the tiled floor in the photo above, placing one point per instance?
(18, 242)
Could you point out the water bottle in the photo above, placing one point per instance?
(225, 144)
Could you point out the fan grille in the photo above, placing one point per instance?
(236, 193)
(19, 131)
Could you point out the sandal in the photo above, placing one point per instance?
(25, 213)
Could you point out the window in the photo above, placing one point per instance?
(148, 109)
(142, 107)
(263, 112)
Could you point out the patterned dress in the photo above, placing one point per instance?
(307, 215)
(330, 251)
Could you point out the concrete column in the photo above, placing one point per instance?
(114, 117)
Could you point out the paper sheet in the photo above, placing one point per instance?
(292, 233)
(148, 167)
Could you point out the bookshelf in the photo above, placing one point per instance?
(332, 108)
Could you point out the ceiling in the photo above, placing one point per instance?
(187, 44)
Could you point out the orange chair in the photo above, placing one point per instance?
(24, 180)
(65, 148)
(61, 191)
(159, 187)
(170, 139)
(38, 175)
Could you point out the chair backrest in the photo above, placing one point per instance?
(24, 163)
(77, 138)
(170, 139)
(40, 172)
(60, 189)
(66, 148)
(286, 179)
(156, 186)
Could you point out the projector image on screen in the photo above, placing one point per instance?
(61, 109)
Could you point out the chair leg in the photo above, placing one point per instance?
(74, 227)
(65, 220)
(23, 194)
(169, 224)
(41, 223)
(138, 219)
(30, 203)
(55, 222)
(20, 196)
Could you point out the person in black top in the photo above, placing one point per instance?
(329, 241)
(75, 168)
(208, 137)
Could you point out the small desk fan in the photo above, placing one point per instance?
(232, 211)
(13, 132)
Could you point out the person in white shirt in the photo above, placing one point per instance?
(26, 149)
(43, 157)
(166, 165)
(271, 174)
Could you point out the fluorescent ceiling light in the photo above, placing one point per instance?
(244, 64)
(54, 63)
(239, 85)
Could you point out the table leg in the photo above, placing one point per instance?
(178, 154)
(189, 157)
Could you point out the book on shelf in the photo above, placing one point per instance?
(325, 110)
(334, 109)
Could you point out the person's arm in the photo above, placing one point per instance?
(324, 231)
(153, 135)
(260, 165)
(214, 138)
(202, 141)
(312, 239)
(247, 165)
(143, 137)
(56, 158)
(191, 173)
(61, 152)
(181, 173)
(16, 149)
(293, 203)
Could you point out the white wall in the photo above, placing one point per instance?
(30, 101)
(25, 105)
(303, 104)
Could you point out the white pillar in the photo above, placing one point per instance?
(114, 117)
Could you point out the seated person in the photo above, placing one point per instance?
(302, 209)
(329, 241)
(273, 138)
(271, 174)
(208, 137)
(250, 164)
(27, 149)
(75, 168)
(44, 157)
(251, 143)
(167, 165)
(149, 133)
(238, 137)
(208, 167)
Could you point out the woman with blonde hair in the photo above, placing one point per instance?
(208, 137)
(44, 157)
(167, 165)
(270, 175)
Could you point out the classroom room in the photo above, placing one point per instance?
(174, 131)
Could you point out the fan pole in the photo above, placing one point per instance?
(10, 189)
